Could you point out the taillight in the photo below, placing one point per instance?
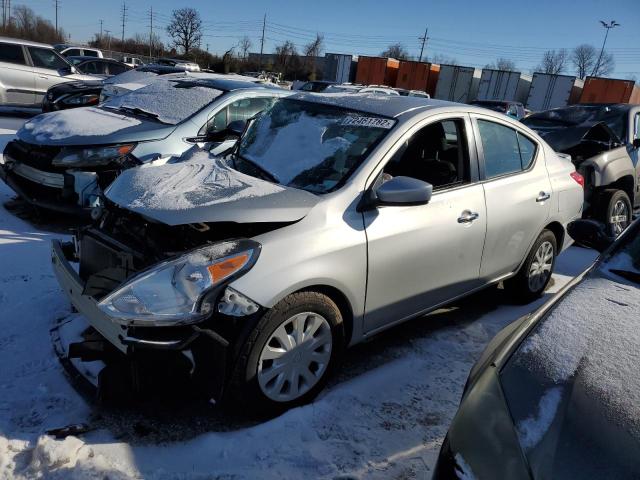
(578, 178)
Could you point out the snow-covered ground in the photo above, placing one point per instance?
(383, 416)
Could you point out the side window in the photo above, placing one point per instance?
(90, 53)
(239, 110)
(116, 69)
(74, 52)
(46, 58)
(437, 153)
(90, 67)
(505, 150)
(12, 54)
(636, 127)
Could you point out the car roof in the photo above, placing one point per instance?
(225, 85)
(387, 106)
(28, 43)
(83, 58)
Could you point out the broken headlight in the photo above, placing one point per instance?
(91, 157)
(175, 291)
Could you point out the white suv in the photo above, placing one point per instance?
(28, 69)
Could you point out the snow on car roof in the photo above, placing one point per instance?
(385, 105)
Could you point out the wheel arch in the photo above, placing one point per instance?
(558, 231)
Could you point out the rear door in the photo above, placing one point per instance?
(422, 255)
(17, 81)
(517, 191)
(49, 68)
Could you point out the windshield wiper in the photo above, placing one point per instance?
(627, 274)
(141, 113)
(266, 175)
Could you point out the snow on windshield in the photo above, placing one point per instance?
(86, 121)
(594, 334)
(171, 101)
(129, 76)
(199, 181)
(311, 146)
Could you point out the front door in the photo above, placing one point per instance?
(48, 68)
(517, 190)
(16, 75)
(420, 256)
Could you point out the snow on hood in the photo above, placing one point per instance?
(90, 126)
(593, 337)
(206, 189)
(167, 99)
(67, 123)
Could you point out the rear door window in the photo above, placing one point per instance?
(90, 53)
(505, 150)
(11, 53)
(73, 52)
(116, 68)
(46, 58)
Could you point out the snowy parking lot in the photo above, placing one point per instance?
(383, 416)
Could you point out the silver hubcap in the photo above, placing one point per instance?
(540, 269)
(619, 219)
(295, 357)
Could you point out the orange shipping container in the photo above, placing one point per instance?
(609, 90)
(377, 71)
(417, 76)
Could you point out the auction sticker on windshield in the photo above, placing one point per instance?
(371, 122)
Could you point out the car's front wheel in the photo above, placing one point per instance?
(289, 354)
(535, 273)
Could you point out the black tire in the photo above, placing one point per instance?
(519, 286)
(244, 387)
(607, 203)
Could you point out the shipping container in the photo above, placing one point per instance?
(553, 91)
(417, 76)
(339, 68)
(457, 84)
(524, 85)
(377, 71)
(498, 85)
(609, 90)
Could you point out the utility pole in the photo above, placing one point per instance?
(151, 32)
(4, 14)
(607, 26)
(57, 4)
(108, 32)
(101, 22)
(424, 42)
(264, 24)
(124, 18)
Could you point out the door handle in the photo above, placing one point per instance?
(543, 196)
(468, 216)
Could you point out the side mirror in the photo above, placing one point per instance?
(636, 143)
(590, 233)
(404, 191)
(233, 130)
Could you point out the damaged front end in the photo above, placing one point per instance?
(152, 289)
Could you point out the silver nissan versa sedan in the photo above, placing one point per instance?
(333, 218)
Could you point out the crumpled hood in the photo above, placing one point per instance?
(90, 126)
(566, 138)
(206, 189)
(573, 386)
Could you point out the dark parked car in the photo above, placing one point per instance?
(513, 109)
(72, 95)
(556, 394)
(316, 86)
(98, 66)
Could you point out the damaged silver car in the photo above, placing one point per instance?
(603, 141)
(334, 218)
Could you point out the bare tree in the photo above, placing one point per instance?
(24, 23)
(553, 62)
(312, 50)
(396, 50)
(583, 58)
(244, 45)
(502, 64)
(606, 66)
(185, 29)
(443, 59)
(285, 56)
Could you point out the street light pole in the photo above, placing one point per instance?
(607, 26)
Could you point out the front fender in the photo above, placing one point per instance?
(608, 167)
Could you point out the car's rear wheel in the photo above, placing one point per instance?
(614, 209)
(535, 273)
(288, 356)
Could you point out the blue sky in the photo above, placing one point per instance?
(472, 32)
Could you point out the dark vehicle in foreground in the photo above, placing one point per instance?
(513, 109)
(556, 394)
(83, 93)
(105, 67)
(603, 141)
(261, 264)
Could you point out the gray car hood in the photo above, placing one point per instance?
(206, 189)
(90, 126)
